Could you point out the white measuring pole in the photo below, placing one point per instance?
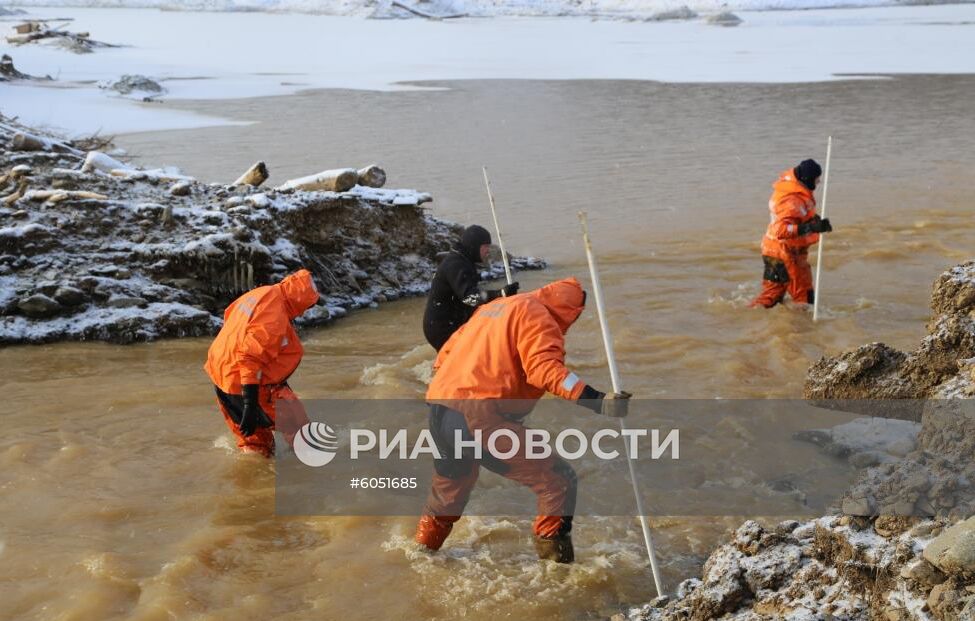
(614, 374)
(497, 227)
(819, 250)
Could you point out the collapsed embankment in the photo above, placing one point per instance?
(133, 255)
(901, 544)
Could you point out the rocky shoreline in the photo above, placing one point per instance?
(901, 544)
(86, 254)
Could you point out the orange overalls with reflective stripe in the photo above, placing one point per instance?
(784, 251)
(258, 345)
(492, 371)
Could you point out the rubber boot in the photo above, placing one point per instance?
(558, 548)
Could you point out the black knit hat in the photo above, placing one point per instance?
(807, 172)
(471, 241)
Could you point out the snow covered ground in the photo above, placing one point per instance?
(478, 8)
(246, 54)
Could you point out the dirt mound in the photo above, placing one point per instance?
(939, 368)
(830, 568)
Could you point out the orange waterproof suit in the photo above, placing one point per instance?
(258, 345)
(511, 349)
(784, 251)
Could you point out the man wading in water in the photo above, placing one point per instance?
(454, 293)
(794, 227)
(252, 357)
(489, 376)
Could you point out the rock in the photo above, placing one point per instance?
(683, 12)
(923, 572)
(748, 537)
(258, 201)
(131, 82)
(726, 19)
(896, 614)
(659, 602)
(125, 301)
(953, 551)
(69, 296)
(771, 568)
(923, 529)
(866, 459)
(891, 525)
(857, 506)
(38, 306)
(182, 188)
(943, 599)
(954, 291)
(870, 371)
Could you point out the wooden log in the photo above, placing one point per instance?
(372, 176)
(15, 196)
(254, 176)
(27, 27)
(56, 196)
(96, 160)
(27, 142)
(20, 39)
(338, 180)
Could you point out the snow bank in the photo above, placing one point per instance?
(127, 258)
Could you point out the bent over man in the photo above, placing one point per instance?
(489, 376)
(454, 293)
(252, 357)
(794, 227)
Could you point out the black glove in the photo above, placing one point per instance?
(816, 225)
(253, 416)
(616, 405)
(509, 289)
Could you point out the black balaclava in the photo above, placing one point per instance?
(807, 172)
(471, 241)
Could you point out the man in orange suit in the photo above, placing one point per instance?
(489, 375)
(794, 227)
(252, 357)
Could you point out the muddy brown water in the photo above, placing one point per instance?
(122, 497)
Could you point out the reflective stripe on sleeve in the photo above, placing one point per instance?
(570, 382)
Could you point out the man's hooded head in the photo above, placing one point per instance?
(471, 241)
(299, 292)
(807, 172)
(564, 299)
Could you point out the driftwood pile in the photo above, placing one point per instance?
(34, 31)
(14, 185)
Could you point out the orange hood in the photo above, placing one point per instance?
(564, 299)
(788, 184)
(299, 292)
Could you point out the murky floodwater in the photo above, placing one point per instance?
(121, 494)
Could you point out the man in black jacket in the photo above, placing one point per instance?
(454, 293)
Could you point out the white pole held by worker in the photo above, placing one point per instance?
(497, 228)
(614, 373)
(819, 250)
